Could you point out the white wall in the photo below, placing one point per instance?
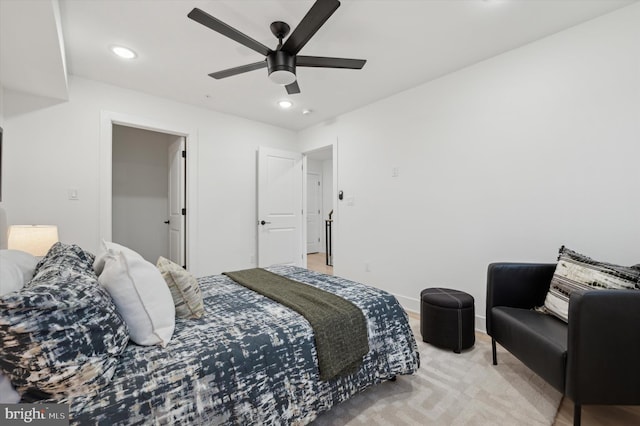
(2, 179)
(1, 105)
(57, 148)
(141, 191)
(506, 160)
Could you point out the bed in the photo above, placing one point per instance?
(248, 360)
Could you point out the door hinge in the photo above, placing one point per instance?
(318, 211)
(318, 239)
(318, 183)
(184, 154)
(184, 211)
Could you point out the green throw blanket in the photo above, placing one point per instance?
(339, 326)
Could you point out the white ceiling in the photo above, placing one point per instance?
(405, 43)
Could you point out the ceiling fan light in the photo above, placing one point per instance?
(282, 77)
(282, 67)
(123, 52)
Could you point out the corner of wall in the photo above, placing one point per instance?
(1, 104)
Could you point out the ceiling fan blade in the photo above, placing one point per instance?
(310, 24)
(293, 88)
(217, 25)
(238, 70)
(322, 62)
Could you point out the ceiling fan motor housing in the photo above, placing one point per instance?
(282, 67)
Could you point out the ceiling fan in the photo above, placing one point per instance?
(281, 62)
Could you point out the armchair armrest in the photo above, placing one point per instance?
(604, 347)
(517, 285)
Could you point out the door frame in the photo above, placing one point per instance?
(107, 120)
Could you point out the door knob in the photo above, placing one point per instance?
(262, 222)
(166, 221)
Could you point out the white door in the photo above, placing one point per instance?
(177, 161)
(314, 215)
(279, 207)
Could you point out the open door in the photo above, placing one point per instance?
(314, 212)
(279, 207)
(177, 212)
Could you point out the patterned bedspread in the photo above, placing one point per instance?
(249, 360)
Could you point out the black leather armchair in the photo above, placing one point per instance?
(595, 359)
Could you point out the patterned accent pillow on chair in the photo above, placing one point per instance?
(578, 272)
(60, 336)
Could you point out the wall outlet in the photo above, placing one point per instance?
(252, 259)
(367, 267)
(395, 171)
(73, 194)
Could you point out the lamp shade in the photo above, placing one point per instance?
(34, 239)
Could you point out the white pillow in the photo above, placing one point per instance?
(140, 294)
(11, 278)
(23, 260)
(8, 394)
(16, 269)
(98, 263)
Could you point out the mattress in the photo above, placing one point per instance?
(249, 360)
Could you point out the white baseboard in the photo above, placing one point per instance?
(410, 304)
(481, 324)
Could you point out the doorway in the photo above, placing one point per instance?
(148, 192)
(320, 169)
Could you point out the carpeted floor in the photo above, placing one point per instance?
(452, 389)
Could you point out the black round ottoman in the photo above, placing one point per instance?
(447, 318)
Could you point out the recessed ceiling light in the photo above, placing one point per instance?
(307, 111)
(123, 52)
(285, 104)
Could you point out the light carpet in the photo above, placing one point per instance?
(453, 389)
